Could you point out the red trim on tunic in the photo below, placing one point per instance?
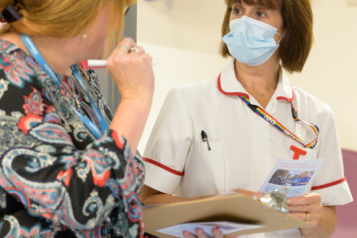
(219, 85)
(178, 173)
(287, 99)
(329, 184)
(227, 93)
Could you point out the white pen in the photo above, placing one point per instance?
(100, 63)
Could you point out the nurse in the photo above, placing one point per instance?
(302, 180)
(226, 133)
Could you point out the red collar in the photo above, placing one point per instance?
(246, 95)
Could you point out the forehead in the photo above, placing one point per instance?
(269, 4)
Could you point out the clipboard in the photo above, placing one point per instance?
(235, 208)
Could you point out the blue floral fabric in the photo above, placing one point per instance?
(55, 177)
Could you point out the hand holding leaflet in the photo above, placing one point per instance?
(297, 175)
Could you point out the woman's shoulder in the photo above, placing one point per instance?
(311, 103)
(200, 87)
(7, 46)
(192, 96)
(15, 67)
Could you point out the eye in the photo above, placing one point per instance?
(236, 11)
(261, 14)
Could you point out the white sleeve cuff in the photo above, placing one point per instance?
(162, 178)
(339, 194)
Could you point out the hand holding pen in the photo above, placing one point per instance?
(97, 64)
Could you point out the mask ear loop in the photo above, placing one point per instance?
(282, 36)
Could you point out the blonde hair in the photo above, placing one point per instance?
(66, 18)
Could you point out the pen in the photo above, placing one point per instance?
(100, 63)
(205, 139)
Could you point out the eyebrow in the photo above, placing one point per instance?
(254, 5)
(265, 4)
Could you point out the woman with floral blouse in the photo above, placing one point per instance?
(68, 166)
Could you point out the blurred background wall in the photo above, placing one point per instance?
(183, 36)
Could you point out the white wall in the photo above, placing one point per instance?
(190, 24)
(330, 73)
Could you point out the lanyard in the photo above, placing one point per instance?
(262, 113)
(102, 122)
(42, 62)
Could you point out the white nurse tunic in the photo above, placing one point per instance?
(244, 146)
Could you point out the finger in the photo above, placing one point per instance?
(125, 46)
(148, 57)
(187, 234)
(296, 209)
(134, 50)
(141, 49)
(259, 195)
(118, 55)
(314, 218)
(302, 216)
(305, 208)
(217, 233)
(304, 200)
(128, 42)
(200, 233)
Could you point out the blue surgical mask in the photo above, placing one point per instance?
(250, 41)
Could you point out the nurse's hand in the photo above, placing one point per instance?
(217, 233)
(300, 206)
(132, 72)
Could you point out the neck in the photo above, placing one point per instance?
(261, 78)
(60, 54)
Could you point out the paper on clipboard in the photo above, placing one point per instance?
(226, 228)
(297, 175)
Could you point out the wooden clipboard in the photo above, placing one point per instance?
(235, 208)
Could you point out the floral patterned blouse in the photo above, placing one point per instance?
(56, 179)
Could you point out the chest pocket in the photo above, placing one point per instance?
(204, 169)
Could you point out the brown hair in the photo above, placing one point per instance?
(280, 172)
(297, 16)
(65, 18)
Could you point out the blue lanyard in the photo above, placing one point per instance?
(102, 122)
(42, 62)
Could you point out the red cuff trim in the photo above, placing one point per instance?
(163, 167)
(227, 93)
(329, 184)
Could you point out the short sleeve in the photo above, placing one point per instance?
(168, 146)
(330, 182)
